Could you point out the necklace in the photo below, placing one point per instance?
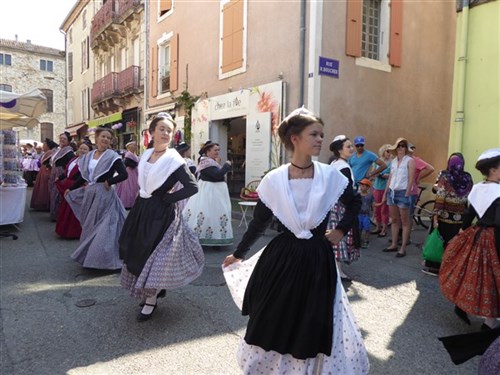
(303, 168)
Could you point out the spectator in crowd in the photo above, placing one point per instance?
(362, 160)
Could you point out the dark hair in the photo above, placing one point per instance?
(101, 129)
(73, 146)
(485, 165)
(182, 148)
(205, 148)
(86, 141)
(294, 126)
(67, 135)
(157, 119)
(50, 143)
(337, 145)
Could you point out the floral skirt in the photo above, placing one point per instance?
(345, 251)
(208, 214)
(470, 272)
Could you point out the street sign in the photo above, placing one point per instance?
(328, 67)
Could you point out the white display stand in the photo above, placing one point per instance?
(12, 204)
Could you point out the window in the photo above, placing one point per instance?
(5, 59)
(85, 104)
(165, 77)
(85, 54)
(164, 6)
(50, 99)
(46, 130)
(84, 19)
(70, 66)
(233, 37)
(374, 31)
(46, 65)
(371, 29)
(5, 87)
(70, 36)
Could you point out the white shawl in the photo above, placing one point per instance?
(340, 164)
(167, 164)
(104, 164)
(274, 191)
(482, 196)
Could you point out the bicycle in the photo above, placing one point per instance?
(422, 215)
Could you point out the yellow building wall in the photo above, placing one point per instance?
(481, 127)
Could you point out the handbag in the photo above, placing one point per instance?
(434, 247)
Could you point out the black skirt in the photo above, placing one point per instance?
(143, 230)
(290, 295)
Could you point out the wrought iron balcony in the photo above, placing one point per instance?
(117, 85)
(129, 80)
(105, 88)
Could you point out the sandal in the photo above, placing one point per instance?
(400, 255)
(382, 234)
(376, 231)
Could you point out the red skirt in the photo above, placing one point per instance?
(470, 272)
(67, 225)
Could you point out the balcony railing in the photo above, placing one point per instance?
(104, 88)
(128, 79)
(113, 11)
(116, 85)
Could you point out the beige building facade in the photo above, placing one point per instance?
(24, 67)
(374, 68)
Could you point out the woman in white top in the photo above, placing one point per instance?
(397, 194)
(300, 321)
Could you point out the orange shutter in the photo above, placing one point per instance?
(354, 26)
(165, 6)
(154, 71)
(396, 33)
(232, 36)
(174, 62)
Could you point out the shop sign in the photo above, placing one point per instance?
(328, 67)
(258, 146)
(234, 104)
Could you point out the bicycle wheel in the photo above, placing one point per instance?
(424, 214)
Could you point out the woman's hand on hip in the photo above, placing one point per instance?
(334, 236)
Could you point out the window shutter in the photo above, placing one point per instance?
(88, 52)
(70, 66)
(154, 71)
(396, 33)
(165, 6)
(232, 36)
(174, 63)
(354, 26)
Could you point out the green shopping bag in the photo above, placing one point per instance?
(433, 248)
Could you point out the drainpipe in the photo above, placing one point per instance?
(302, 51)
(459, 115)
(315, 42)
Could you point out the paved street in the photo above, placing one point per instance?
(196, 329)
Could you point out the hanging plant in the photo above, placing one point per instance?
(187, 101)
(131, 124)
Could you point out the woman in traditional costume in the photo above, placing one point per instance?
(470, 269)
(208, 213)
(300, 321)
(58, 163)
(40, 198)
(347, 250)
(97, 206)
(128, 189)
(158, 249)
(67, 225)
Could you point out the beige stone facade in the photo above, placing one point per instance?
(36, 67)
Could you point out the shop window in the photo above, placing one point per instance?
(5, 59)
(46, 65)
(374, 30)
(5, 87)
(233, 38)
(50, 99)
(46, 130)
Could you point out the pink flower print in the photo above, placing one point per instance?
(268, 104)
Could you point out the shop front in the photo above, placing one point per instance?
(245, 124)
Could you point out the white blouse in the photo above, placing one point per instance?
(399, 173)
(300, 189)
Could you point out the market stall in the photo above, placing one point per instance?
(16, 111)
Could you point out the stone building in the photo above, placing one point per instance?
(25, 66)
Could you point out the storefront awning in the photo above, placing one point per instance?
(105, 120)
(73, 129)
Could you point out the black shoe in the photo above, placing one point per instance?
(143, 317)
(462, 315)
(389, 250)
(162, 294)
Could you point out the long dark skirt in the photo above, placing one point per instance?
(289, 296)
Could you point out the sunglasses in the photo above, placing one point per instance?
(402, 145)
(360, 145)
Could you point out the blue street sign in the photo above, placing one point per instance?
(328, 67)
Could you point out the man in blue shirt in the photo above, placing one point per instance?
(362, 160)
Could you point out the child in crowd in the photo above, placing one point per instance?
(365, 186)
